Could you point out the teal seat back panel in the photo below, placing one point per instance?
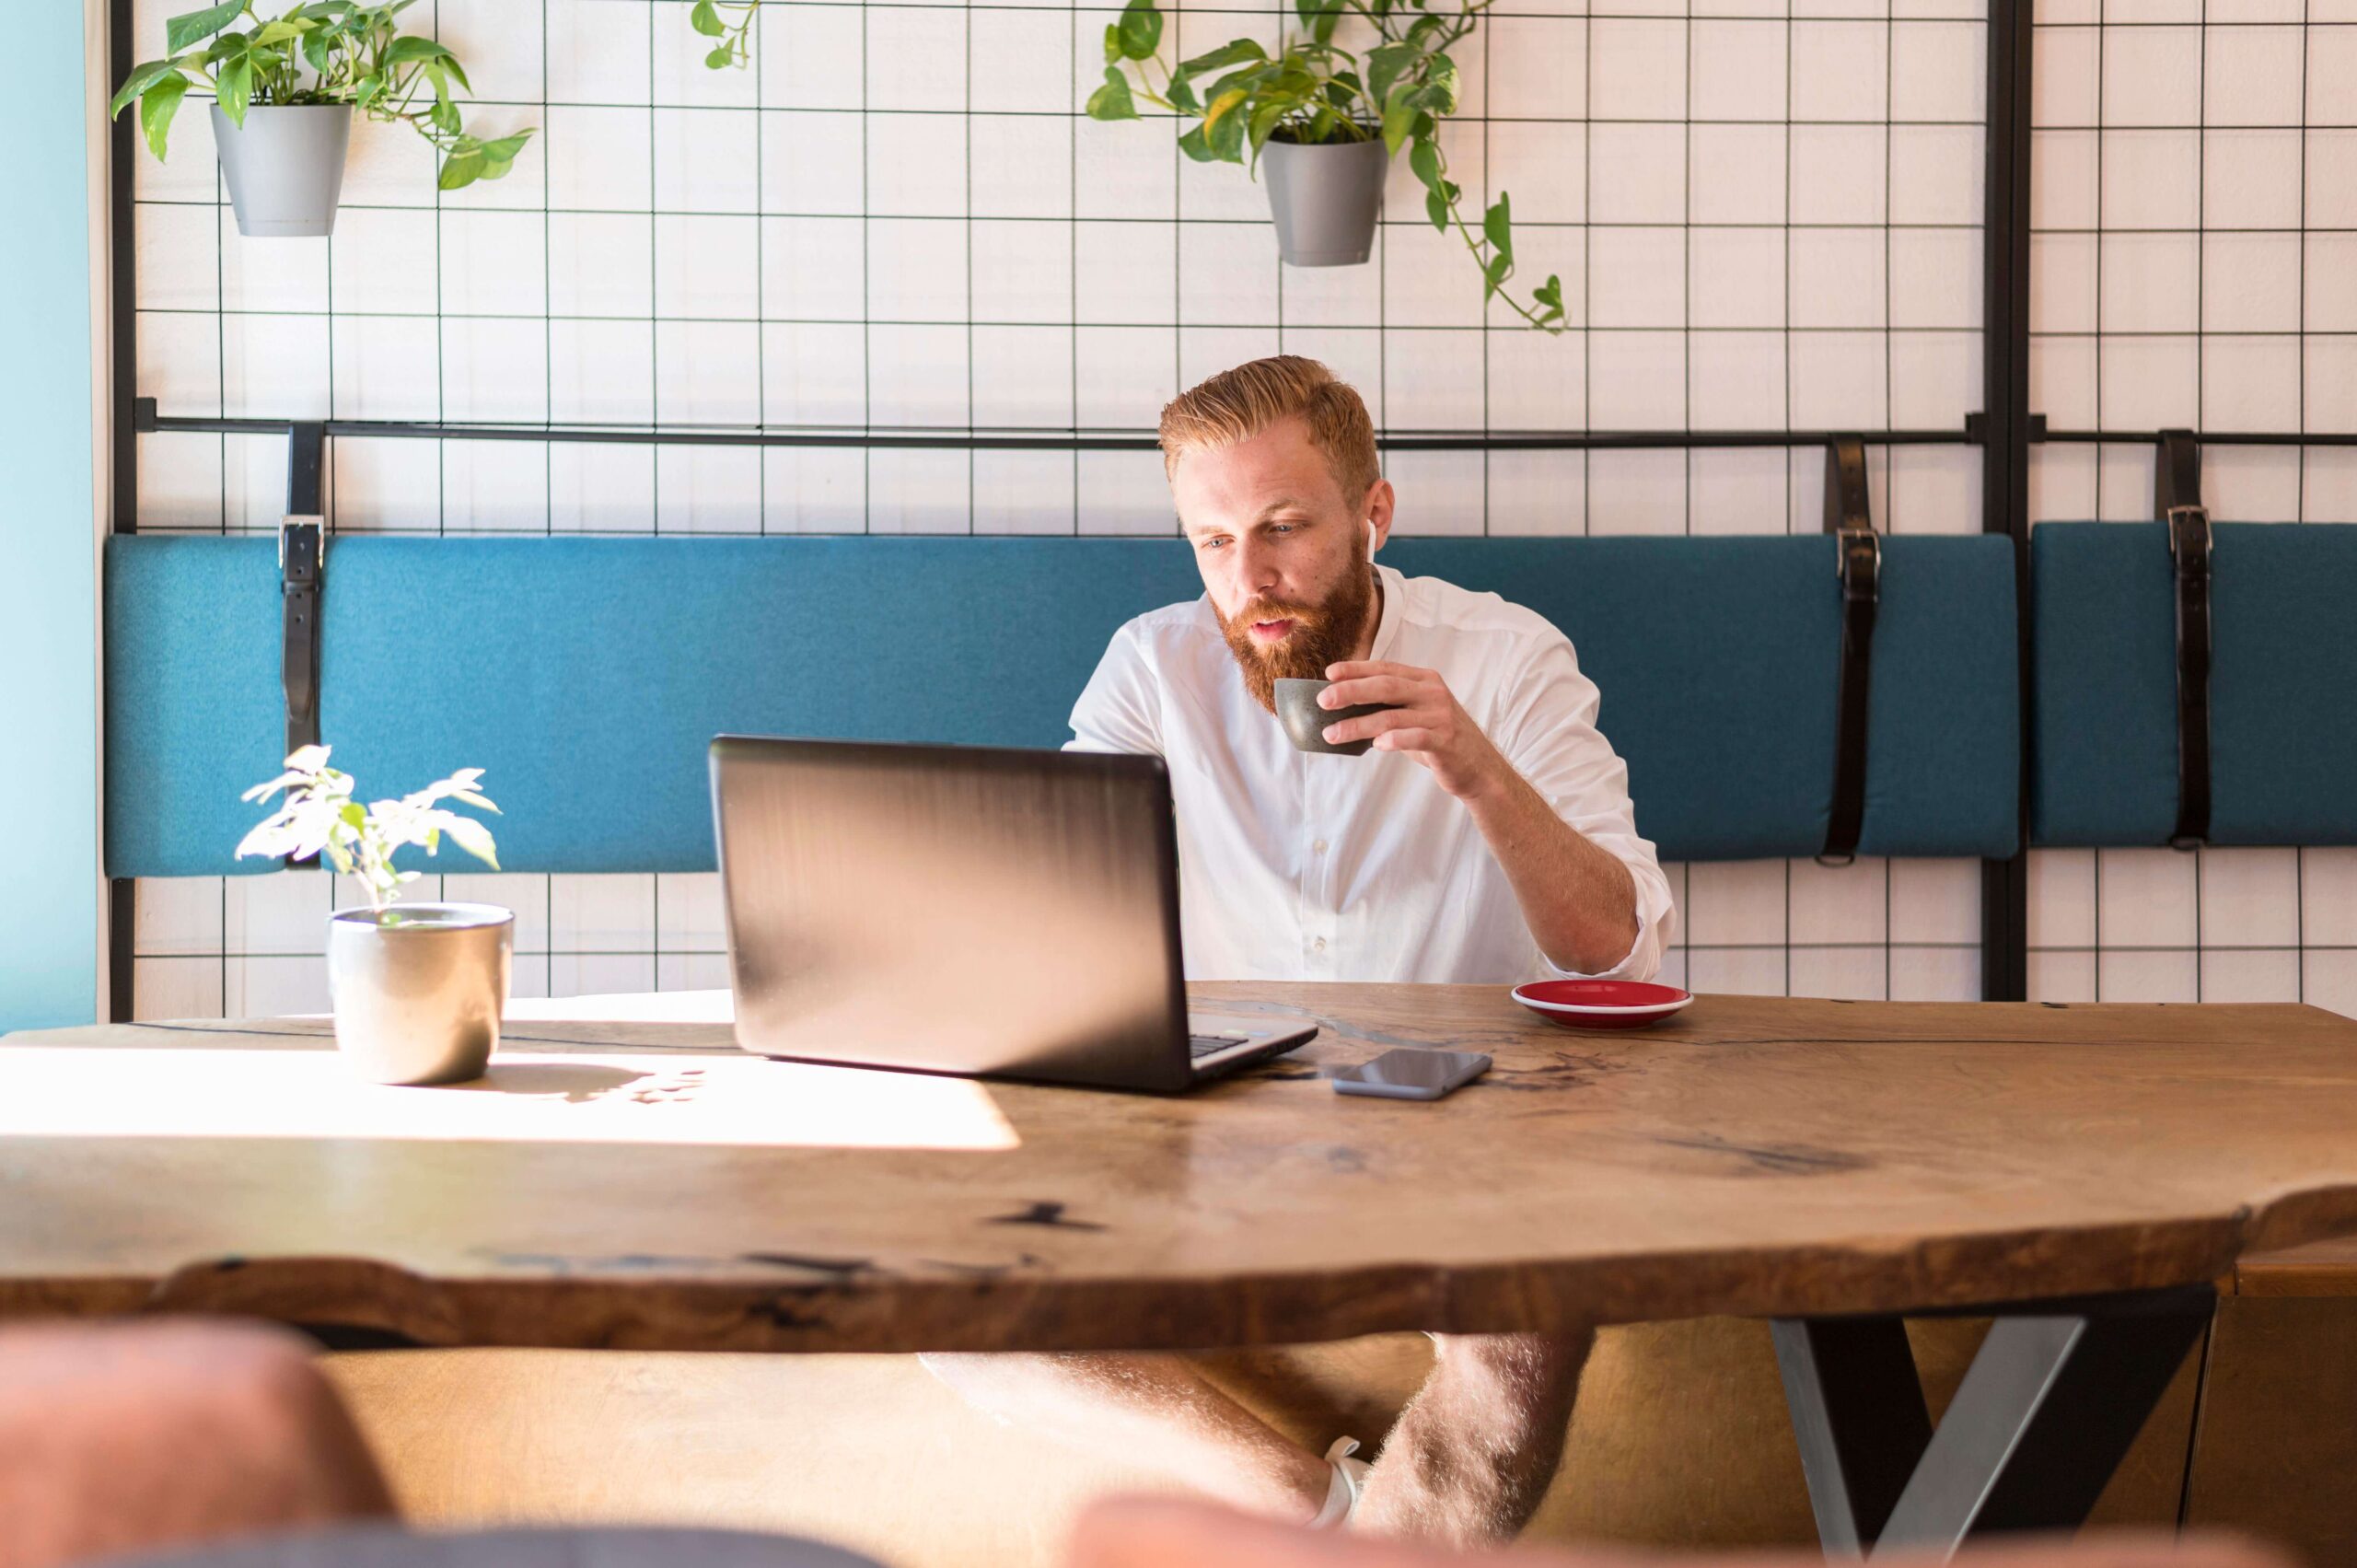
(193, 712)
(586, 676)
(2282, 729)
(1718, 660)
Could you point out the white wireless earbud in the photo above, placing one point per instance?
(1370, 536)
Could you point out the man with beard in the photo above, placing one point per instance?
(1487, 837)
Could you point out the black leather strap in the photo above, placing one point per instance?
(2177, 500)
(301, 560)
(1849, 519)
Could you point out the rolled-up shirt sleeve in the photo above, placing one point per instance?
(1548, 732)
(1118, 710)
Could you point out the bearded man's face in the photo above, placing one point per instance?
(1283, 553)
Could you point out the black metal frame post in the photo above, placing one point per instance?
(2005, 497)
(2048, 1407)
(122, 499)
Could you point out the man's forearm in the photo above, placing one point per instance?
(1578, 900)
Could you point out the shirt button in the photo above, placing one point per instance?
(1318, 945)
(1318, 848)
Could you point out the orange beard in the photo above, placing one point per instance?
(1322, 635)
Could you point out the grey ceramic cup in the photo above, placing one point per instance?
(1305, 722)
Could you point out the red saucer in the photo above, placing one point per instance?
(1601, 1004)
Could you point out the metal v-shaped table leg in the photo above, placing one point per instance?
(2043, 1417)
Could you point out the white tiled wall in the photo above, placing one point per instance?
(2194, 263)
(1767, 214)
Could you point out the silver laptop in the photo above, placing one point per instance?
(953, 908)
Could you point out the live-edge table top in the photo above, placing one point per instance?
(643, 1184)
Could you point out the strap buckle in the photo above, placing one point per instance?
(1859, 565)
(2190, 541)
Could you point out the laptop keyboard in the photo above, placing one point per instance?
(1203, 1045)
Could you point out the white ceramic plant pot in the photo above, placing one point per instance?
(419, 989)
(1325, 199)
(285, 168)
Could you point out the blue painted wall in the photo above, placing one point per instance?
(48, 698)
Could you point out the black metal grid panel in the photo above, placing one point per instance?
(2194, 263)
(1769, 217)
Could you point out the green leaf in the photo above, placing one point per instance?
(1423, 159)
(319, 48)
(706, 20)
(184, 30)
(1493, 272)
(370, 88)
(1193, 145)
(1438, 91)
(411, 49)
(1497, 228)
(1264, 120)
(1226, 138)
(1383, 67)
(474, 838)
(157, 107)
(1248, 80)
(1398, 123)
(142, 77)
(720, 59)
(1549, 297)
(1112, 43)
(1141, 30)
(1113, 101)
(276, 32)
(1236, 52)
(1436, 209)
(235, 87)
(1182, 97)
(1318, 17)
(445, 115)
(1219, 109)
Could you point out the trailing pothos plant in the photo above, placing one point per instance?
(1313, 91)
(730, 22)
(355, 54)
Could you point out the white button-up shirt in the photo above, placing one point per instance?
(1298, 865)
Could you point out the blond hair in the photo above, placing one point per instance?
(1237, 404)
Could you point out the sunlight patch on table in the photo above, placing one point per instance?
(620, 1098)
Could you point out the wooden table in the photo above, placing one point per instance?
(2086, 1170)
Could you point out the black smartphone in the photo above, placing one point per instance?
(1411, 1075)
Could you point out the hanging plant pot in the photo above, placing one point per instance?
(419, 989)
(285, 167)
(1325, 199)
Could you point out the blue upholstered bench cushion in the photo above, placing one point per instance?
(586, 675)
(2282, 727)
